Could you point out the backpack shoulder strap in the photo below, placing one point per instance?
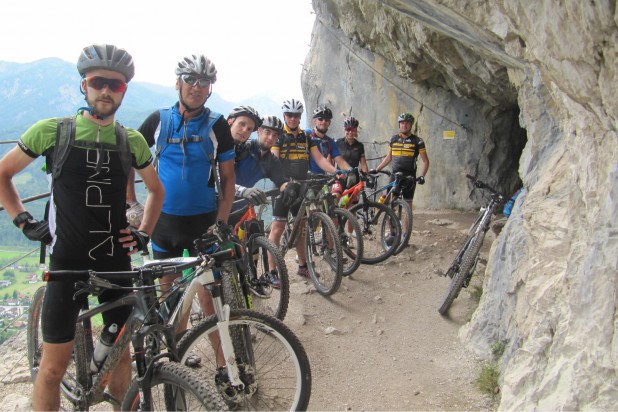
(65, 138)
(124, 148)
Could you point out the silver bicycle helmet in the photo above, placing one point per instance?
(197, 65)
(350, 122)
(273, 122)
(246, 111)
(292, 106)
(323, 111)
(107, 57)
(406, 117)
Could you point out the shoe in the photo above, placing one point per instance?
(303, 272)
(390, 239)
(193, 361)
(273, 278)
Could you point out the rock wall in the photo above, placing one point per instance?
(503, 75)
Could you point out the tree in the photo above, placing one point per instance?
(15, 295)
(9, 274)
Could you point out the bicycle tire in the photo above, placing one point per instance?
(74, 382)
(277, 303)
(467, 262)
(171, 387)
(324, 254)
(281, 369)
(352, 246)
(375, 246)
(402, 208)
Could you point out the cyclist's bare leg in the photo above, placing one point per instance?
(300, 245)
(54, 363)
(276, 230)
(209, 308)
(121, 378)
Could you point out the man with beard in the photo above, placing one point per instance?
(87, 226)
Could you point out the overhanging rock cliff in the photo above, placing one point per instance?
(528, 90)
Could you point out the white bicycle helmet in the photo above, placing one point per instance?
(273, 122)
(292, 106)
(246, 111)
(107, 57)
(197, 65)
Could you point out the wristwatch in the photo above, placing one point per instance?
(23, 217)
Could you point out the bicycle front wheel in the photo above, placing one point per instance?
(463, 273)
(381, 231)
(403, 211)
(175, 387)
(278, 377)
(275, 301)
(324, 255)
(351, 237)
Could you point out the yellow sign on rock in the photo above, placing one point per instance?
(448, 134)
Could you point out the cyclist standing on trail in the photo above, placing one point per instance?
(352, 151)
(405, 148)
(87, 226)
(294, 148)
(192, 143)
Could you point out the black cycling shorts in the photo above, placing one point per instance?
(408, 189)
(175, 233)
(60, 310)
(280, 211)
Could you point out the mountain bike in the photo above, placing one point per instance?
(255, 361)
(463, 265)
(322, 244)
(380, 226)
(255, 249)
(158, 385)
(392, 197)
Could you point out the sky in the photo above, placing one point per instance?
(257, 46)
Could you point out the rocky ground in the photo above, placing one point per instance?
(378, 343)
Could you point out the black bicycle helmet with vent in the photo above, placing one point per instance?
(246, 111)
(406, 117)
(350, 122)
(197, 65)
(273, 122)
(292, 106)
(107, 57)
(323, 111)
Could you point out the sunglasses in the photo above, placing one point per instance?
(98, 83)
(194, 80)
(350, 129)
(295, 115)
(322, 119)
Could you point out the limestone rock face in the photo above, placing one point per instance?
(529, 90)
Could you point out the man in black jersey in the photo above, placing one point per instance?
(405, 148)
(87, 223)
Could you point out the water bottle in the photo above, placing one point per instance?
(103, 347)
(344, 201)
(382, 199)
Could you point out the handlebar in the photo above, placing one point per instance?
(481, 185)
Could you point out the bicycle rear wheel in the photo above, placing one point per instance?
(175, 387)
(75, 380)
(351, 237)
(404, 214)
(463, 272)
(381, 231)
(277, 299)
(324, 255)
(278, 378)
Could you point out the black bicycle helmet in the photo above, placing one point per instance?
(292, 106)
(107, 57)
(323, 111)
(197, 65)
(350, 122)
(273, 122)
(246, 111)
(406, 117)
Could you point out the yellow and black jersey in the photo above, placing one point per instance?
(405, 151)
(294, 153)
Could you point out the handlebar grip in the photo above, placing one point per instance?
(70, 275)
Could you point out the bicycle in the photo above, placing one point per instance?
(157, 385)
(255, 249)
(323, 246)
(348, 228)
(402, 209)
(463, 265)
(377, 222)
(257, 363)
